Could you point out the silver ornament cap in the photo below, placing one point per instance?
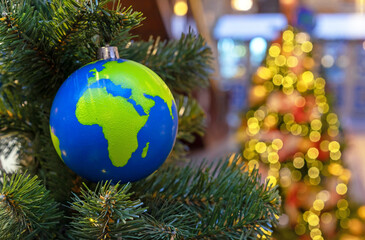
(108, 52)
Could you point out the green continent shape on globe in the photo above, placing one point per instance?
(117, 117)
(56, 142)
(138, 78)
(145, 150)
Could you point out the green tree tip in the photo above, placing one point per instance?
(105, 213)
(20, 214)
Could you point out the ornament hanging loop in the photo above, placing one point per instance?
(108, 52)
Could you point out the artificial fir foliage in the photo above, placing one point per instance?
(41, 44)
(27, 209)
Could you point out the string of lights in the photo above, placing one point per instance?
(292, 134)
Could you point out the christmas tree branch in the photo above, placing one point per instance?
(27, 211)
(224, 198)
(105, 213)
(191, 124)
(183, 64)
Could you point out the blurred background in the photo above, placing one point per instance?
(240, 33)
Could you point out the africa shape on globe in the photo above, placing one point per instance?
(113, 119)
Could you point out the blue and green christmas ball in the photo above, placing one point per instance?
(113, 120)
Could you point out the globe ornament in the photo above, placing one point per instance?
(113, 119)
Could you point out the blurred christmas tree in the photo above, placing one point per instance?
(41, 44)
(294, 137)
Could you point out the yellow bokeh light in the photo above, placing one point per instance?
(305, 130)
(288, 118)
(288, 35)
(320, 83)
(318, 205)
(313, 220)
(260, 115)
(324, 145)
(361, 212)
(271, 180)
(269, 86)
(288, 81)
(324, 195)
(260, 147)
(278, 79)
(315, 136)
(280, 60)
(253, 131)
(334, 146)
(335, 155)
(273, 172)
(277, 144)
(285, 181)
(273, 157)
(341, 189)
(306, 215)
(302, 37)
(242, 5)
(259, 91)
(314, 181)
(307, 46)
(313, 172)
(343, 213)
(292, 61)
(316, 124)
(248, 154)
(323, 108)
(333, 131)
(181, 8)
(296, 175)
(288, 47)
(346, 176)
(344, 223)
(342, 204)
(253, 164)
(252, 122)
(300, 229)
(302, 86)
(264, 73)
(332, 118)
(313, 153)
(335, 169)
(298, 162)
(274, 50)
(321, 99)
(296, 129)
(307, 76)
(315, 232)
(288, 90)
(271, 120)
(297, 50)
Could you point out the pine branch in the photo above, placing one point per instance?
(226, 201)
(191, 124)
(167, 220)
(57, 38)
(16, 114)
(21, 216)
(184, 64)
(105, 213)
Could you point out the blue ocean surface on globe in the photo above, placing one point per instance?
(113, 120)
